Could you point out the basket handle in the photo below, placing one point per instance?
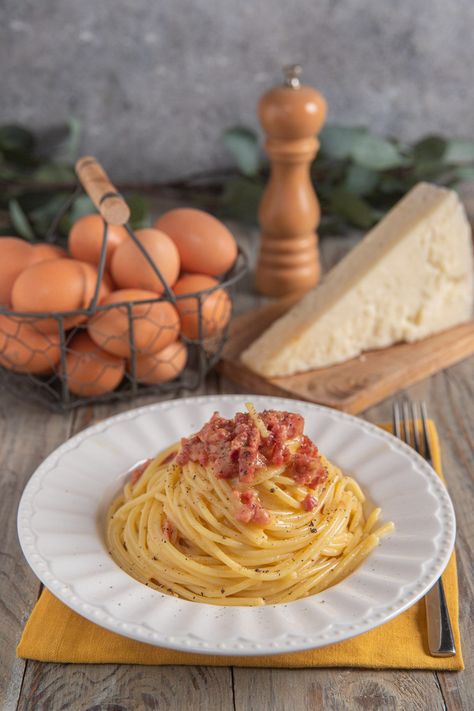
(101, 191)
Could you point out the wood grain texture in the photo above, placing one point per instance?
(352, 386)
(342, 689)
(108, 687)
(455, 420)
(28, 433)
(27, 436)
(102, 192)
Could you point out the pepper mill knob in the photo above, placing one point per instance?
(292, 75)
(291, 115)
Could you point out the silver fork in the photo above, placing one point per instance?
(406, 418)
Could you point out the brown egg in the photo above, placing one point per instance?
(216, 306)
(160, 367)
(43, 252)
(108, 281)
(24, 349)
(155, 325)
(86, 236)
(15, 255)
(90, 274)
(56, 285)
(130, 269)
(90, 370)
(205, 245)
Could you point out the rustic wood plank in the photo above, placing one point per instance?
(108, 687)
(351, 386)
(454, 395)
(28, 435)
(341, 690)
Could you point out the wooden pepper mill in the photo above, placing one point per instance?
(291, 115)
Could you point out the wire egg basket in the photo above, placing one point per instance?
(40, 356)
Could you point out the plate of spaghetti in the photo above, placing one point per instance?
(236, 525)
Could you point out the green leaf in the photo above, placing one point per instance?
(360, 180)
(10, 172)
(339, 141)
(430, 170)
(354, 209)
(330, 225)
(60, 143)
(54, 173)
(394, 184)
(377, 153)
(32, 200)
(81, 206)
(139, 211)
(429, 149)
(20, 221)
(326, 173)
(49, 207)
(459, 151)
(241, 199)
(242, 143)
(16, 141)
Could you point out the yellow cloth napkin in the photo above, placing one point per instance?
(54, 633)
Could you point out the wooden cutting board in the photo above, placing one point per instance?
(352, 386)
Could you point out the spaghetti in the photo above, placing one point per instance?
(244, 512)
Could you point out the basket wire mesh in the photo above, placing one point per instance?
(49, 378)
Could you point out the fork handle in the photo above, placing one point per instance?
(440, 635)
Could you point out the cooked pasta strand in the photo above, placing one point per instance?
(175, 529)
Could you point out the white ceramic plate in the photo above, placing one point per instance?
(61, 523)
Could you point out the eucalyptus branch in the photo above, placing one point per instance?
(358, 176)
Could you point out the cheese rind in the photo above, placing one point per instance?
(410, 277)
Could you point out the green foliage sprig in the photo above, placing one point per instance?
(37, 178)
(358, 176)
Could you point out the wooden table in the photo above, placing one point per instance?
(29, 433)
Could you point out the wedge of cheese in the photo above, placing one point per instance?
(411, 276)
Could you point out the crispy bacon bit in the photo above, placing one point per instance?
(306, 466)
(235, 448)
(282, 427)
(309, 502)
(138, 471)
(169, 458)
(251, 510)
(167, 528)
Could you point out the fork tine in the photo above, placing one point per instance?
(415, 417)
(426, 436)
(396, 419)
(406, 422)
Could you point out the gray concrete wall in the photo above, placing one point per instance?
(155, 83)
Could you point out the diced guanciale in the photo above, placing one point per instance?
(236, 449)
(251, 510)
(138, 471)
(167, 528)
(306, 466)
(309, 502)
